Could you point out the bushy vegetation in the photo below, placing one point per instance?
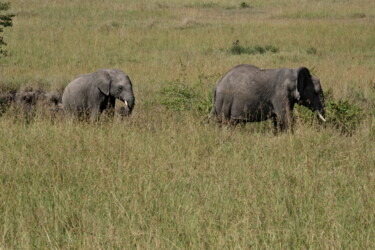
(5, 21)
(244, 5)
(179, 95)
(237, 49)
(312, 51)
(164, 179)
(344, 116)
(341, 115)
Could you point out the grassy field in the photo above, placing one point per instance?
(168, 179)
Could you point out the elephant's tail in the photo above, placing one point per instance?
(213, 109)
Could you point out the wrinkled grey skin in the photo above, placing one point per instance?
(91, 94)
(248, 94)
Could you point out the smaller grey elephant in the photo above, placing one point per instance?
(248, 94)
(91, 94)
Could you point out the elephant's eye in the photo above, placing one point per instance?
(120, 88)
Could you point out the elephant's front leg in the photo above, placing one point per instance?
(282, 118)
(279, 124)
(286, 121)
(110, 109)
(94, 114)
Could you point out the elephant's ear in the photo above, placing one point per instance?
(303, 74)
(103, 81)
(316, 83)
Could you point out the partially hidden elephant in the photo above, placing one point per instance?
(91, 94)
(247, 93)
(28, 100)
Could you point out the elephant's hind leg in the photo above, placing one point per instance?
(224, 114)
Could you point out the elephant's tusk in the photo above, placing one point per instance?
(126, 103)
(321, 116)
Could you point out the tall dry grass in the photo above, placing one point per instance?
(166, 179)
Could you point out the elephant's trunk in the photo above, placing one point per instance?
(128, 104)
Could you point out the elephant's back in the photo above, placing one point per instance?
(74, 91)
(239, 79)
(68, 91)
(242, 91)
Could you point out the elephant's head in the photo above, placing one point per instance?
(117, 84)
(309, 93)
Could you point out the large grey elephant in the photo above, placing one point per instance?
(93, 93)
(247, 94)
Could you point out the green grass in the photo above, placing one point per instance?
(166, 178)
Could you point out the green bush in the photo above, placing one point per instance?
(178, 95)
(244, 5)
(312, 51)
(237, 49)
(343, 116)
(203, 88)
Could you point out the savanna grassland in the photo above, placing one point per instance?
(165, 177)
